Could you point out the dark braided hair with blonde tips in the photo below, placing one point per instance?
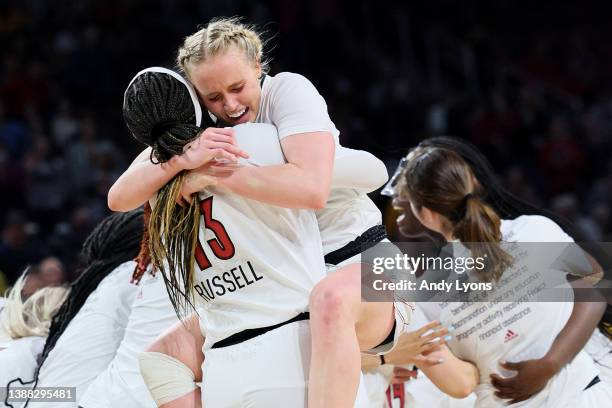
(160, 113)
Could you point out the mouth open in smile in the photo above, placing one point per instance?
(239, 117)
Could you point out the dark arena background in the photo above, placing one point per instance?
(530, 85)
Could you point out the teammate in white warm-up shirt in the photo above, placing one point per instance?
(91, 339)
(222, 286)
(121, 384)
(440, 189)
(526, 331)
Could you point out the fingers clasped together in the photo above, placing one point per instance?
(207, 159)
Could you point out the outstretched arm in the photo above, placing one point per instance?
(453, 376)
(141, 181)
(359, 170)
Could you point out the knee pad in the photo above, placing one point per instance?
(166, 377)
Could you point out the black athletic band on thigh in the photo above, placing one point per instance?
(250, 333)
(592, 383)
(369, 238)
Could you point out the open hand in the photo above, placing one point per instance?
(205, 176)
(213, 143)
(531, 377)
(413, 347)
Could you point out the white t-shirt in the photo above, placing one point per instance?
(291, 103)
(489, 332)
(91, 339)
(18, 359)
(121, 384)
(258, 262)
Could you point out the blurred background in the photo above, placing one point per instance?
(530, 85)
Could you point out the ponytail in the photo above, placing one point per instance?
(440, 180)
(480, 230)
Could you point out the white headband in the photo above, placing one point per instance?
(194, 97)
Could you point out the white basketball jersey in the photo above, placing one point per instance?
(291, 103)
(256, 263)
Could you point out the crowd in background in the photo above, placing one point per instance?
(531, 86)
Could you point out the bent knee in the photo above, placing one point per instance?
(174, 343)
(158, 346)
(330, 303)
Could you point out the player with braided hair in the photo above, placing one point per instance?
(237, 282)
(169, 130)
(95, 313)
(162, 111)
(113, 242)
(225, 63)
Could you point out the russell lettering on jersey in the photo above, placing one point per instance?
(230, 281)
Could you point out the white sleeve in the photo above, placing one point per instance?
(260, 141)
(543, 229)
(297, 107)
(358, 169)
(560, 248)
(354, 169)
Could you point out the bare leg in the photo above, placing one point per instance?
(184, 341)
(191, 400)
(341, 326)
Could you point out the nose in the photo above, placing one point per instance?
(230, 105)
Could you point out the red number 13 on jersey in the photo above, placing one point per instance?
(221, 245)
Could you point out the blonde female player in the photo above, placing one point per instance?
(252, 269)
(175, 389)
(224, 61)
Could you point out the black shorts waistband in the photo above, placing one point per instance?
(250, 333)
(366, 240)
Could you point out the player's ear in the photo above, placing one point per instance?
(258, 68)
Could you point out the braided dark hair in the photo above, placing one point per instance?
(114, 241)
(161, 112)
